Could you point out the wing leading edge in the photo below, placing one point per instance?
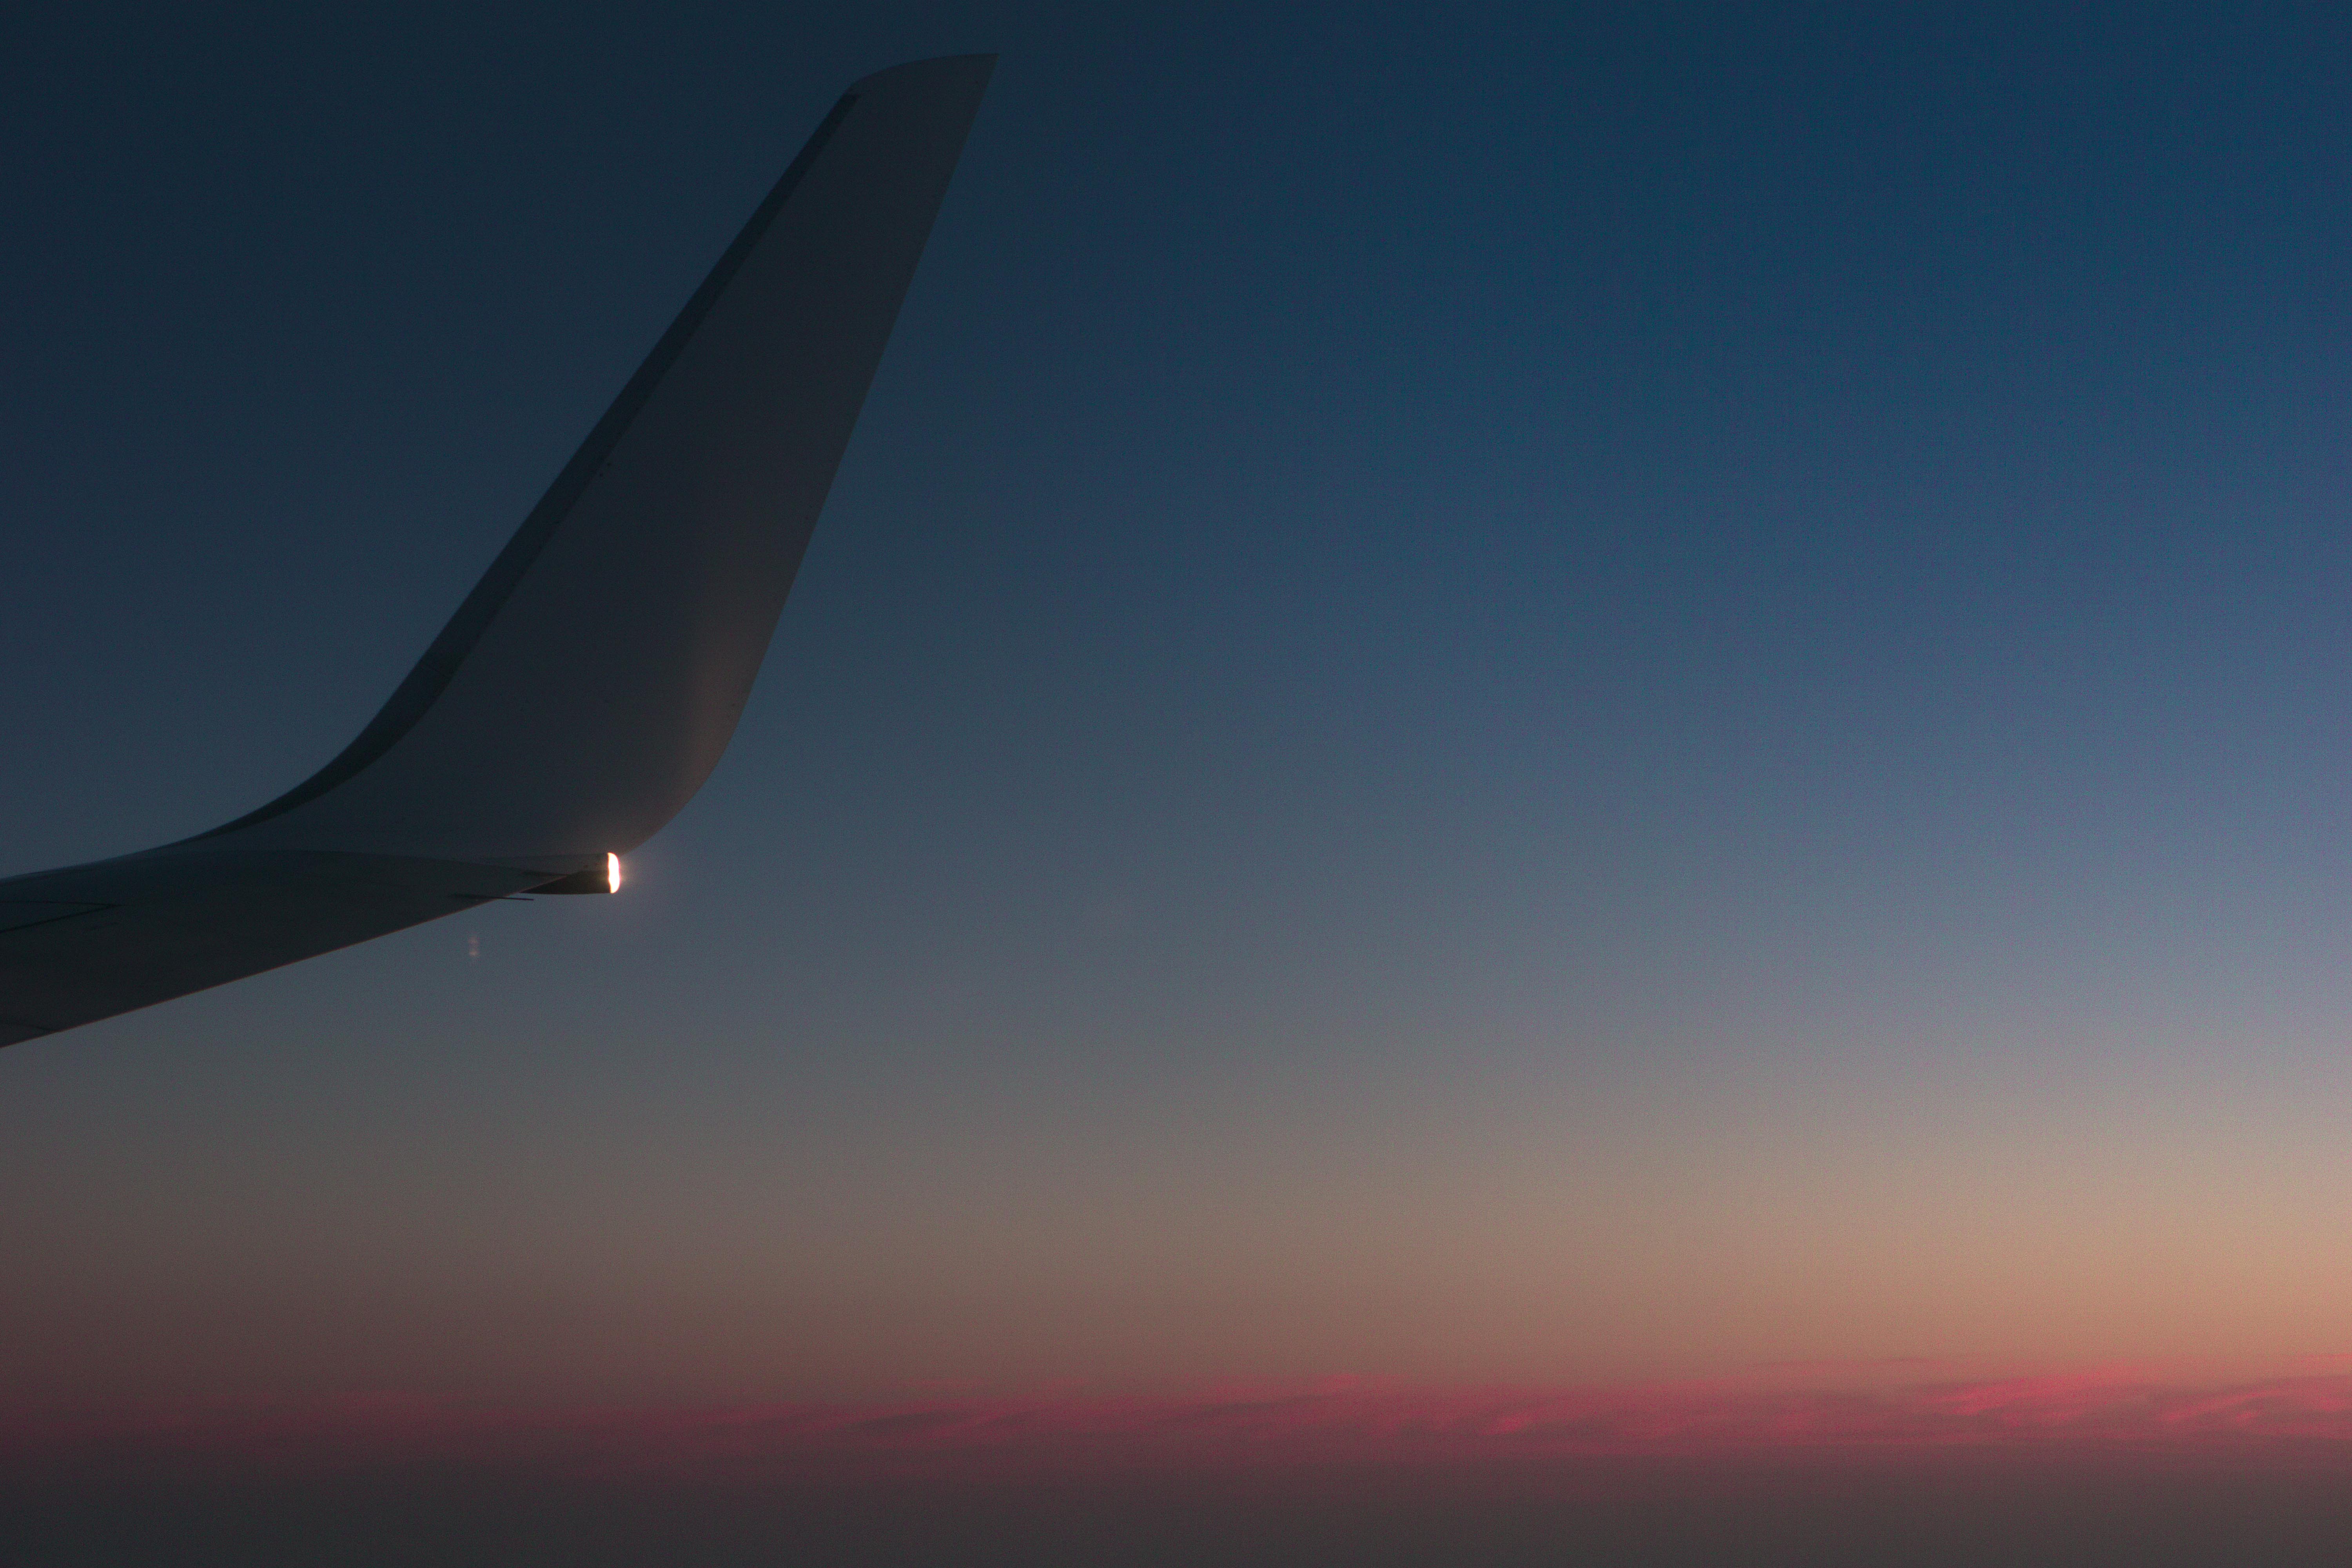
(590, 682)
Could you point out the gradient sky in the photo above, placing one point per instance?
(1496, 695)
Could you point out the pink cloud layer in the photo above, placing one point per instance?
(2302, 1420)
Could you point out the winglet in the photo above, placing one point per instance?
(590, 682)
(588, 685)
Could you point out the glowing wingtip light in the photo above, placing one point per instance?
(612, 872)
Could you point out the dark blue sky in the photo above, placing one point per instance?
(1454, 637)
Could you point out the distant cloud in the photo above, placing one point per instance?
(2300, 1420)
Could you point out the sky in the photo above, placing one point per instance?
(1496, 698)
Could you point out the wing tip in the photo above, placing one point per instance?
(975, 66)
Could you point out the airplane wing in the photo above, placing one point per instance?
(589, 683)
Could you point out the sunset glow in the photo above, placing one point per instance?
(1550, 785)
